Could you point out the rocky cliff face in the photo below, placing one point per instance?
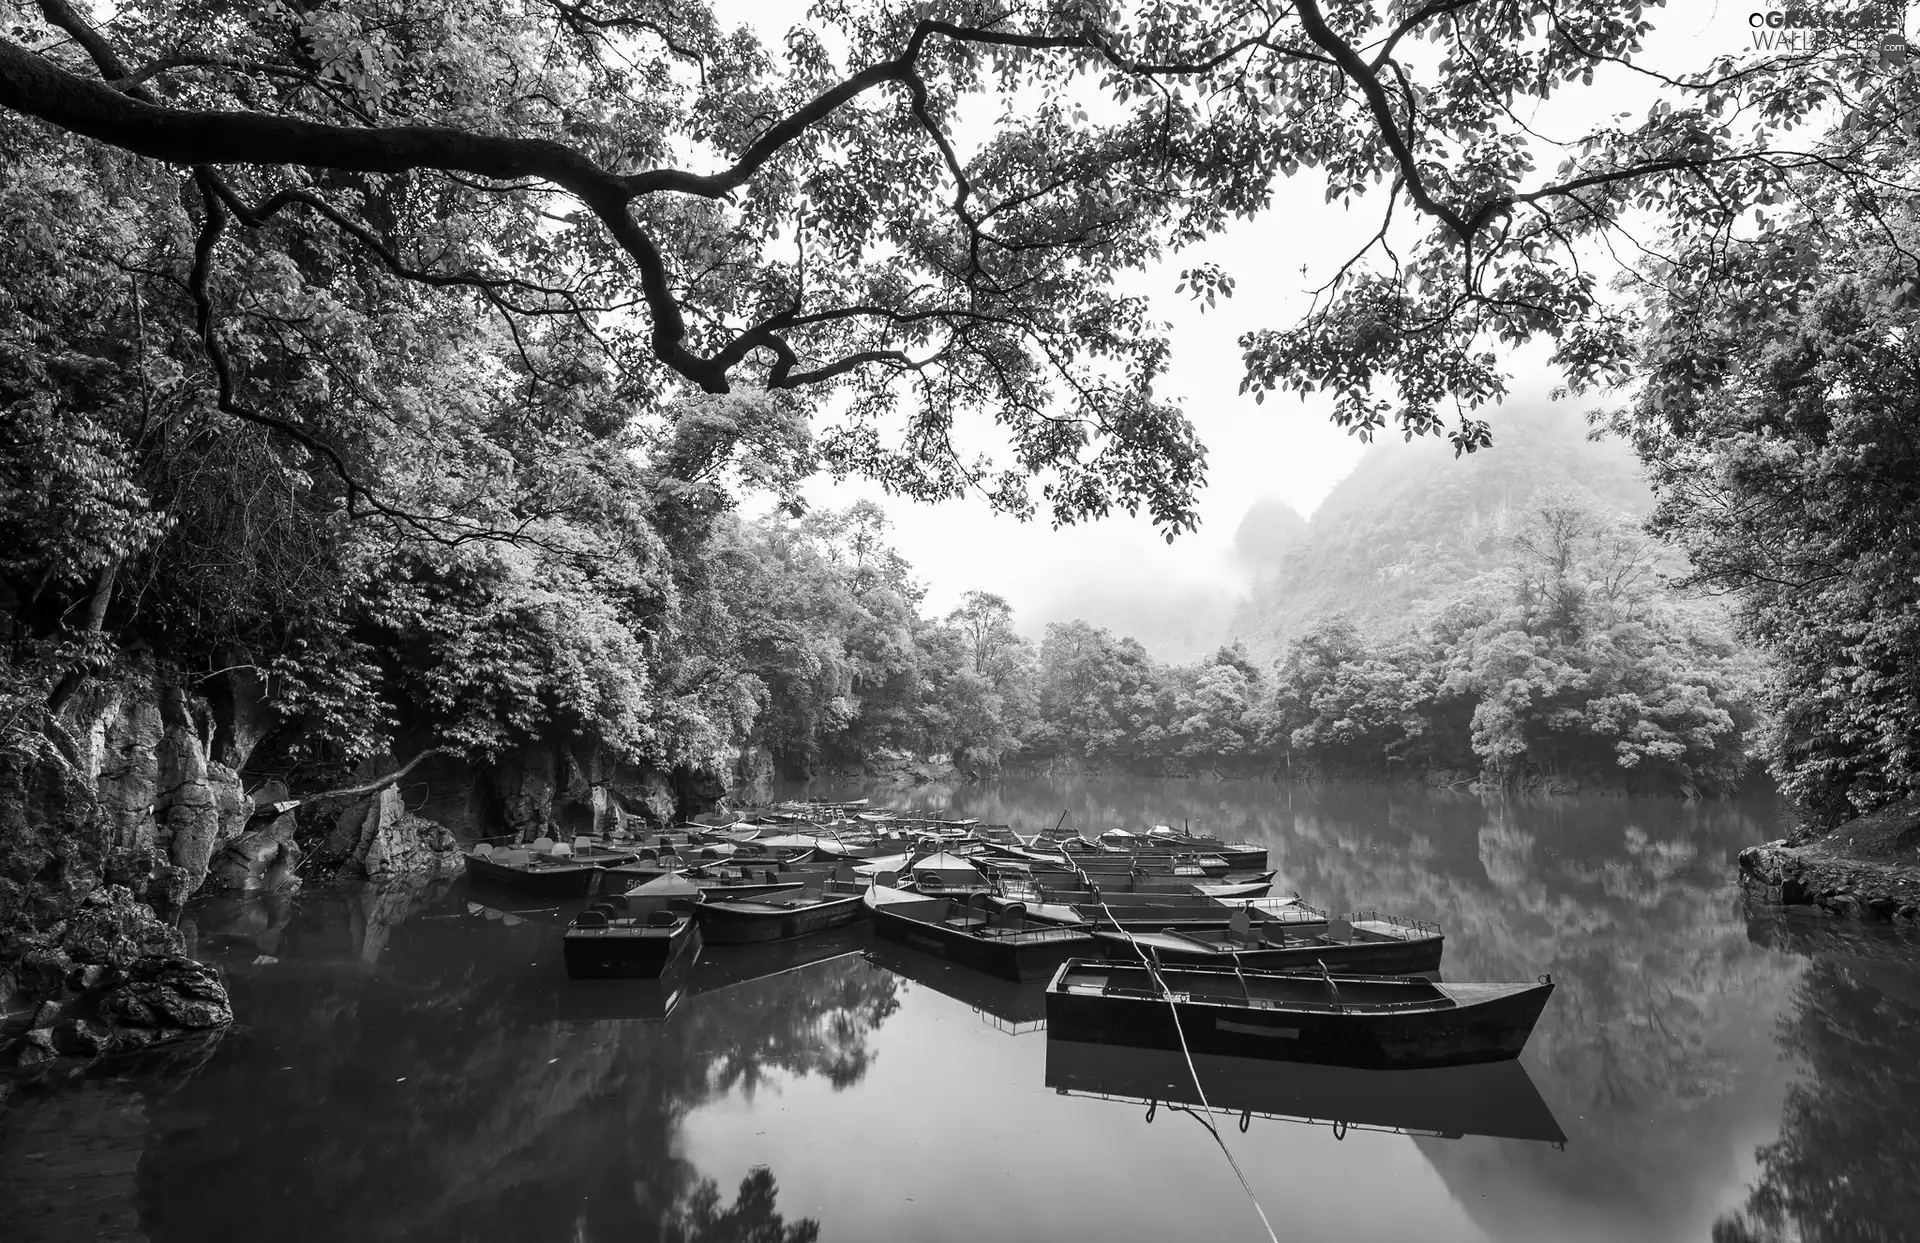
(103, 836)
(134, 803)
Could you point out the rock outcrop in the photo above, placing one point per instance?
(1818, 877)
(377, 838)
(110, 978)
(392, 842)
(525, 783)
(265, 860)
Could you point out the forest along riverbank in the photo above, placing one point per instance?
(421, 1049)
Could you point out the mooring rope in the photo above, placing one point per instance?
(1206, 1119)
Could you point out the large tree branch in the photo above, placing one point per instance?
(355, 791)
(1363, 76)
(36, 87)
(132, 118)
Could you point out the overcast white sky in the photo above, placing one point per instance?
(1284, 448)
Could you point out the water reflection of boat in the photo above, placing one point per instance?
(608, 1000)
(1013, 1007)
(1383, 1022)
(724, 967)
(1493, 1098)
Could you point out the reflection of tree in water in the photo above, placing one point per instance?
(1654, 1050)
(447, 1090)
(1844, 1166)
(749, 1219)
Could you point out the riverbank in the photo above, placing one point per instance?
(1866, 868)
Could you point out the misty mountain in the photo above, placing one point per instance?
(1412, 522)
(1270, 528)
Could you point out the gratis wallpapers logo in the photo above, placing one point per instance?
(1794, 26)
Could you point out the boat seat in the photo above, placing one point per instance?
(663, 919)
(708, 852)
(483, 851)
(540, 845)
(617, 903)
(582, 843)
(1339, 930)
(561, 850)
(679, 905)
(1277, 935)
(590, 918)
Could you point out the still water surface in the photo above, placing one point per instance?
(410, 1068)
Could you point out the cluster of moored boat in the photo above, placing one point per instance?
(1161, 939)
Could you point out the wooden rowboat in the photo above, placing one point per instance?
(1356, 946)
(1096, 861)
(636, 936)
(604, 943)
(1157, 911)
(1002, 943)
(547, 875)
(1384, 1022)
(749, 921)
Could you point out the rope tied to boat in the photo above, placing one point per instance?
(1152, 964)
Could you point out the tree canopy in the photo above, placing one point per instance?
(906, 214)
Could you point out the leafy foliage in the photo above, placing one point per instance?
(1777, 420)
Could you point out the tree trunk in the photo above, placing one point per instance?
(70, 681)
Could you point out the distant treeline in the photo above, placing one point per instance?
(1571, 663)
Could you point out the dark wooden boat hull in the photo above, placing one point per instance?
(732, 925)
(1414, 956)
(1017, 961)
(563, 881)
(1488, 1030)
(627, 953)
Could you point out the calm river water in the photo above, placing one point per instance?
(414, 1065)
